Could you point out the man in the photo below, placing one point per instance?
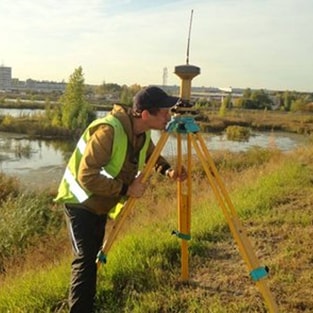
(101, 172)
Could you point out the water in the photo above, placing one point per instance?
(35, 160)
(35, 163)
(279, 140)
(19, 155)
(30, 112)
(20, 112)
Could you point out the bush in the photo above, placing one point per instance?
(8, 186)
(25, 217)
(237, 133)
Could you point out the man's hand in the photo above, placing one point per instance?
(136, 189)
(173, 174)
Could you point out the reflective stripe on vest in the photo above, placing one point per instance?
(75, 188)
(81, 145)
(74, 192)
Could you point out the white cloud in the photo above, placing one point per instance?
(238, 43)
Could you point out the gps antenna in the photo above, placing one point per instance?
(188, 44)
(186, 72)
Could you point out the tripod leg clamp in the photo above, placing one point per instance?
(259, 273)
(101, 257)
(181, 235)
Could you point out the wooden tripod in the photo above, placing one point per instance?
(186, 125)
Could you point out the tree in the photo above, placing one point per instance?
(262, 99)
(297, 105)
(108, 89)
(74, 111)
(226, 104)
(128, 93)
(239, 103)
(257, 99)
(247, 93)
(288, 98)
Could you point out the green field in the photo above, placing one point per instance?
(272, 193)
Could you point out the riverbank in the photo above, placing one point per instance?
(300, 123)
(272, 193)
(37, 125)
(41, 104)
(44, 163)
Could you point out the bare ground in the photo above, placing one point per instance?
(285, 248)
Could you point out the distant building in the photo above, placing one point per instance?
(7, 83)
(39, 86)
(207, 93)
(5, 77)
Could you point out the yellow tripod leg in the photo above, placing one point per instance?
(101, 258)
(181, 212)
(256, 271)
(184, 210)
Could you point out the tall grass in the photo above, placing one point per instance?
(39, 290)
(143, 270)
(25, 219)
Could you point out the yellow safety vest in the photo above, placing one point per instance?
(70, 191)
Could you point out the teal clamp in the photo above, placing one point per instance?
(181, 235)
(259, 273)
(183, 125)
(101, 257)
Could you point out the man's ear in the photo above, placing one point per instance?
(145, 114)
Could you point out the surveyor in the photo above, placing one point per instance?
(102, 172)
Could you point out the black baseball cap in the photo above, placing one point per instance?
(153, 97)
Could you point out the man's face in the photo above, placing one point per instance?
(160, 120)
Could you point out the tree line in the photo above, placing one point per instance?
(75, 107)
(289, 101)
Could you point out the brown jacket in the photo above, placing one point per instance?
(107, 192)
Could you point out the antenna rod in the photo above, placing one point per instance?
(187, 60)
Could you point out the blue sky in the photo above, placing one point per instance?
(244, 43)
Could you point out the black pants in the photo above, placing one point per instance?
(86, 231)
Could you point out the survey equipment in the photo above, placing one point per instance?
(183, 124)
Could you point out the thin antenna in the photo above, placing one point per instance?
(187, 60)
(165, 76)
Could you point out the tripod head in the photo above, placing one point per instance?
(184, 107)
(182, 121)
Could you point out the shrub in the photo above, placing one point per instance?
(25, 217)
(8, 186)
(237, 133)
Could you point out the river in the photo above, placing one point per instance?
(41, 163)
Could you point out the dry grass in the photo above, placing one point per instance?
(281, 237)
(301, 123)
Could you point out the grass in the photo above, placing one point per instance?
(23, 218)
(300, 123)
(272, 193)
(35, 126)
(237, 133)
(39, 290)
